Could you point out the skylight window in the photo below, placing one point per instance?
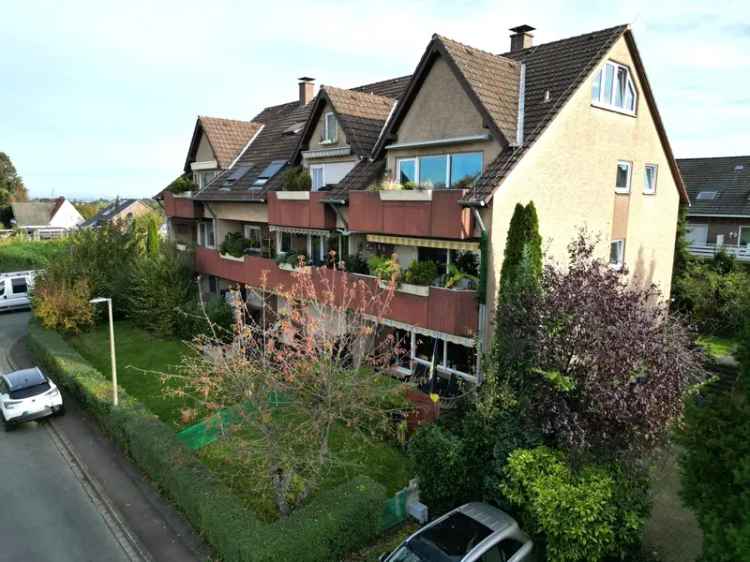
(236, 174)
(294, 129)
(268, 172)
(706, 195)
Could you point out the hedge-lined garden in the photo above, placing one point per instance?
(17, 254)
(328, 526)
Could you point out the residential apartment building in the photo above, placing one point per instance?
(719, 215)
(429, 168)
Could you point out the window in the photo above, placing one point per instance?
(254, 234)
(18, 286)
(329, 128)
(465, 169)
(2, 287)
(617, 253)
(407, 170)
(317, 176)
(202, 179)
(649, 179)
(613, 87)
(622, 181)
(437, 255)
(268, 172)
(706, 195)
(235, 175)
(206, 236)
(441, 171)
(745, 236)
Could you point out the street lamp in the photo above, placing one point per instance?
(111, 345)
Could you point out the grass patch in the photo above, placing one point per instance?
(136, 349)
(20, 255)
(718, 347)
(385, 544)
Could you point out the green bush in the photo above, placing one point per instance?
(715, 470)
(332, 524)
(355, 263)
(587, 514)
(421, 273)
(235, 244)
(193, 321)
(296, 179)
(384, 268)
(61, 304)
(181, 185)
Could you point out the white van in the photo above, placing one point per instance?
(15, 288)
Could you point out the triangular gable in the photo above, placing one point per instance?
(226, 137)
(490, 81)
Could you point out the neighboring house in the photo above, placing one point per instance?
(719, 214)
(47, 218)
(427, 166)
(121, 210)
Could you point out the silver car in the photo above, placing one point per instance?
(473, 532)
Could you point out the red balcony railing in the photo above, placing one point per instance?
(443, 310)
(307, 211)
(182, 207)
(438, 217)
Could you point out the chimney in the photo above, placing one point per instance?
(306, 90)
(521, 38)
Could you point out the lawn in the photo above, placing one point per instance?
(136, 349)
(19, 255)
(718, 347)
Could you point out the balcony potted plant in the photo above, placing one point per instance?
(386, 269)
(235, 247)
(296, 183)
(183, 186)
(291, 261)
(408, 191)
(418, 278)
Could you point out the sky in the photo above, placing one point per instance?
(99, 99)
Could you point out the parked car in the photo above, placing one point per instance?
(28, 395)
(15, 288)
(474, 532)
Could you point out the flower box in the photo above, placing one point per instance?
(406, 195)
(418, 290)
(231, 258)
(293, 195)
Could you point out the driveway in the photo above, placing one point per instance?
(68, 494)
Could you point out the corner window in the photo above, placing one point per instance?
(622, 180)
(329, 128)
(407, 170)
(613, 87)
(206, 235)
(649, 179)
(458, 171)
(617, 253)
(317, 175)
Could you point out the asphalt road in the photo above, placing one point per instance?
(68, 494)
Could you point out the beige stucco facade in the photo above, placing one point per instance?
(317, 133)
(204, 153)
(441, 110)
(569, 174)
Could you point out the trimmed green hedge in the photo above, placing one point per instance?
(334, 523)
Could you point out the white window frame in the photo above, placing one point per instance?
(327, 138)
(621, 254)
(416, 168)
(648, 189)
(246, 229)
(625, 189)
(322, 169)
(441, 361)
(608, 104)
(448, 165)
(203, 239)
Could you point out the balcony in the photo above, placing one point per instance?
(302, 209)
(708, 251)
(182, 206)
(422, 213)
(443, 310)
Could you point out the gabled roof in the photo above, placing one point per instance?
(227, 138)
(36, 213)
(490, 81)
(560, 67)
(276, 142)
(361, 116)
(728, 176)
(109, 212)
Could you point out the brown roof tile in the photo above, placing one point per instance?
(227, 137)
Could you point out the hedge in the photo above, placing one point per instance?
(332, 524)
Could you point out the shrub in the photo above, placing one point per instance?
(181, 185)
(715, 470)
(581, 515)
(421, 273)
(355, 263)
(194, 321)
(18, 254)
(386, 269)
(235, 244)
(296, 179)
(61, 304)
(332, 524)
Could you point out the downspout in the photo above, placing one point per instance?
(482, 290)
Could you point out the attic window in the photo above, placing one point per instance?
(329, 128)
(235, 175)
(268, 172)
(613, 88)
(706, 196)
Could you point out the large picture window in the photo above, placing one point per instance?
(613, 87)
(440, 171)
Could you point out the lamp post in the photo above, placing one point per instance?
(111, 345)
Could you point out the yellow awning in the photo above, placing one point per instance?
(424, 242)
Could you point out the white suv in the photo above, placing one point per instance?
(28, 395)
(15, 288)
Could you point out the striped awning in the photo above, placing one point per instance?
(295, 230)
(424, 242)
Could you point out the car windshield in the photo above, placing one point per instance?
(403, 554)
(450, 540)
(29, 391)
